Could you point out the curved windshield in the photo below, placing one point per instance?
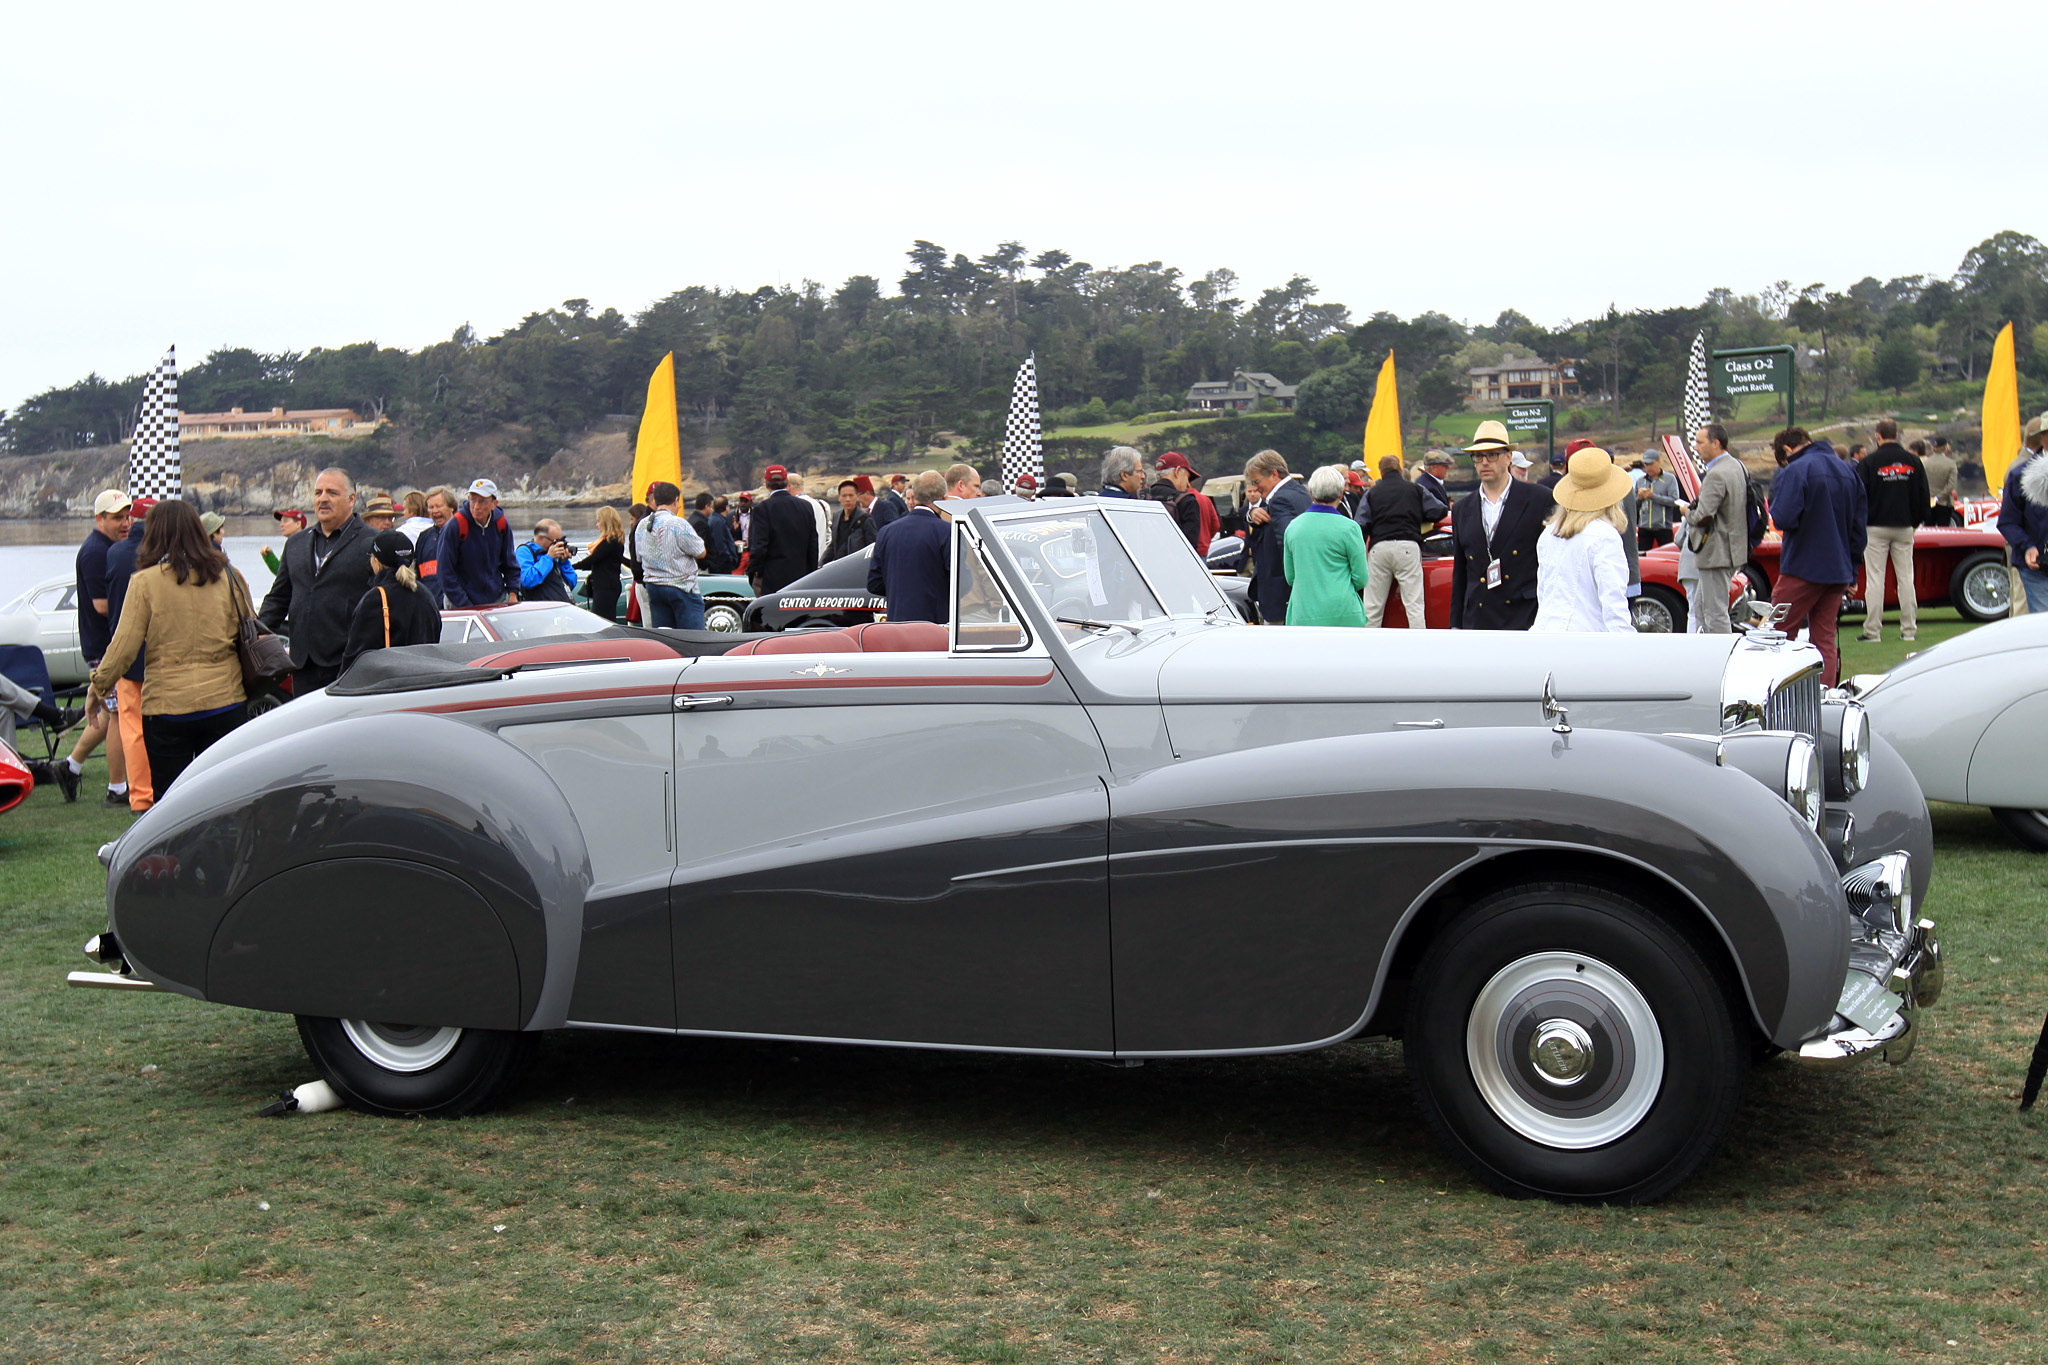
(1077, 568)
(1179, 578)
(532, 625)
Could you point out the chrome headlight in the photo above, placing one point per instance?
(1845, 733)
(1805, 788)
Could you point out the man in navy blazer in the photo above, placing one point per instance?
(1281, 500)
(782, 543)
(1493, 540)
(912, 560)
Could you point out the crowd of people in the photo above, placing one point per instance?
(160, 609)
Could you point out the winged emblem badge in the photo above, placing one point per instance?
(818, 671)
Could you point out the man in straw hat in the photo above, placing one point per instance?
(1493, 540)
(1582, 555)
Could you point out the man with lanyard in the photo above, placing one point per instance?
(668, 549)
(321, 575)
(1493, 540)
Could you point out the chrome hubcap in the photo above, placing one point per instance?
(1989, 590)
(401, 1047)
(1561, 1051)
(1565, 1050)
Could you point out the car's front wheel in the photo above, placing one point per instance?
(1659, 611)
(408, 1070)
(1566, 1043)
(2030, 827)
(1980, 588)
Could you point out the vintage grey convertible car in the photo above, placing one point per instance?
(1970, 717)
(1588, 880)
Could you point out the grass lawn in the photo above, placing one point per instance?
(1124, 433)
(656, 1199)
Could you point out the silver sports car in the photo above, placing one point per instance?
(1586, 879)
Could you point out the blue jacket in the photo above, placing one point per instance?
(911, 564)
(120, 569)
(1269, 550)
(2023, 516)
(534, 566)
(477, 565)
(425, 564)
(1818, 502)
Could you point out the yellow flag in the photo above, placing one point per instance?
(2001, 412)
(658, 457)
(1383, 423)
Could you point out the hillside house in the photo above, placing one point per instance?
(1240, 392)
(342, 422)
(1519, 380)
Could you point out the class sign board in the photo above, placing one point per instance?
(1528, 417)
(1735, 375)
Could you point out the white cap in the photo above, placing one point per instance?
(483, 488)
(1519, 460)
(111, 501)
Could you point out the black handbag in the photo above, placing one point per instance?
(263, 655)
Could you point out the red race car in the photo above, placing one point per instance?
(1660, 609)
(15, 782)
(1958, 566)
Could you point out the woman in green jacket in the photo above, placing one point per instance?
(1324, 558)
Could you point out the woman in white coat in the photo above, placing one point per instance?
(1581, 564)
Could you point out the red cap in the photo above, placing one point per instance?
(1354, 478)
(899, 478)
(1173, 459)
(1026, 481)
(138, 508)
(773, 472)
(862, 483)
(1575, 445)
(294, 513)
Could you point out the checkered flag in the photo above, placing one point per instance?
(154, 468)
(1022, 452)
(1698, 408)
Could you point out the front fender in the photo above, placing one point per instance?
(1891, 813)
(398, 867)
(1403, 813)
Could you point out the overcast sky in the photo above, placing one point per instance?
(284, 177)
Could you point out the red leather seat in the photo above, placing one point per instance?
(901, 637)
(803, 642)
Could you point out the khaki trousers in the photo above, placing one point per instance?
(129, 700)
(1388, 562)
(1893, 543)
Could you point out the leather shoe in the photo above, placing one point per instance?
(68, 716)
(60, 773)
(116, 800)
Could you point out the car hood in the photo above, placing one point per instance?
(1994, 637)
(1317, 663)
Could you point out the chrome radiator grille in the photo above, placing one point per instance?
(1795, 705)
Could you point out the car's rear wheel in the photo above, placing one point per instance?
(1566, 1043)
(722, 616)
(1659, 611)
(408, 1070)
(2030, 827)
(1980, 587)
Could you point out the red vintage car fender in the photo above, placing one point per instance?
(15, 782)
(1938, 551)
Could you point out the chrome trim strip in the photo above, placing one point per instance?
(108, 981)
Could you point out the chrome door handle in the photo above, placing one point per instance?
(693, 703)
(1418, 725)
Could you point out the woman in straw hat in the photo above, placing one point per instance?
(1581, 564)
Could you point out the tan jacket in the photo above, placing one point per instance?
(1941, 480)
(1719, 517)
(189, 631)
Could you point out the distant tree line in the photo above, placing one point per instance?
(859, 372)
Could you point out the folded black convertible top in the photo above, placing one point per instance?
(416, 668)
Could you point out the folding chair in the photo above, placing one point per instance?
(25, 666)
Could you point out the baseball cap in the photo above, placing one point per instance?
(483, 488)
(1173, 459)
(294, 513)
(1026, 481)
(140, 507)
(1520, 461)
(392, 547)
(1572, 447)
(110, 502)
(773, 472)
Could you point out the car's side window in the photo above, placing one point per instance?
(51, 599)
(454, 630)
(985, 619)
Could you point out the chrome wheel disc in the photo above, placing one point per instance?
(1988, 590)
(1651, 617)
(401, 1047)
(722, 618)
(1565, 1050)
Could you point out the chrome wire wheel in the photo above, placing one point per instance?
(1987, 591)
(1565, 1050)
(404, 1048)
(1651, 617)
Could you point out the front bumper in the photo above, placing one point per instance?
(1895, 970)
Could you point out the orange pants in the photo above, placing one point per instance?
(128, 703)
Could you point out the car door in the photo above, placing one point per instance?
(56, 609)
(902, 847)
